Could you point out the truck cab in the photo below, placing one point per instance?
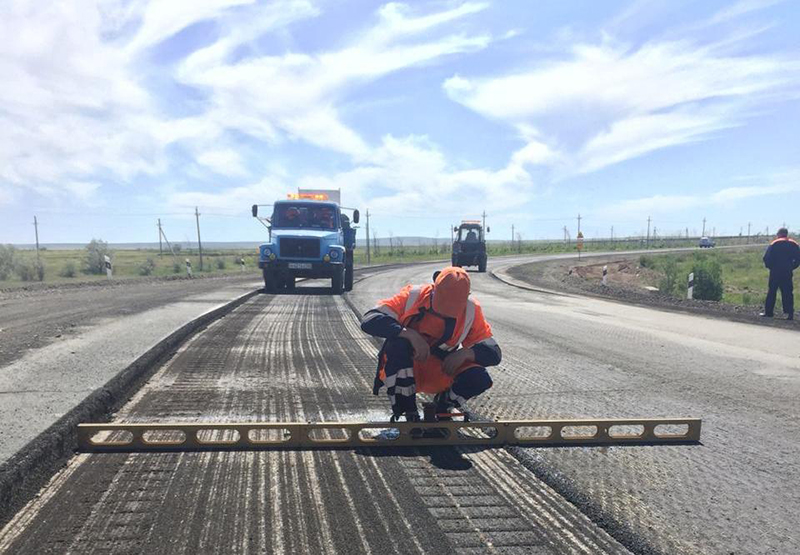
(469, 247)
(310, 237)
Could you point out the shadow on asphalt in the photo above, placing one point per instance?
(445, 457)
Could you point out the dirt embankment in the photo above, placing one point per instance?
(628, 282)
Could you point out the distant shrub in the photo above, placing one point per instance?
(670, 279)
(29, 270)
(708, 284)
(7, 253)
(147, 267)
(69, 270)
(96, 251)
(221, 264)
(177, 248)
(176, 268)
(646, 261)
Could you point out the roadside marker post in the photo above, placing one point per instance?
(188, 268)
(241, 262)
(108, 266)
(580, 244)
(690, 290)
(605, 275)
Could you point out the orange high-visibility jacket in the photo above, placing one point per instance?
(408, 307)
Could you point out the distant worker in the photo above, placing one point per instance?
(437, 342)
(782, 257)
(472, 236)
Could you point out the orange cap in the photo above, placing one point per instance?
(450, 292)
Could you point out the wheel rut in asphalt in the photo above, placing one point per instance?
(291, 357)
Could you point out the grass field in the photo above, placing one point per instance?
(743, 274)
(66, 266)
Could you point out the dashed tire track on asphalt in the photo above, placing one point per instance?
(282, 358)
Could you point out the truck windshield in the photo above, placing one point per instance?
(321, 216)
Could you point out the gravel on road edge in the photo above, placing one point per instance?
(556, 276)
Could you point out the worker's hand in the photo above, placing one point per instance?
(453, 362)
(421, 348)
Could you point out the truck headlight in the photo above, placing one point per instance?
(267, 252)
(334, 255)
(272, 256)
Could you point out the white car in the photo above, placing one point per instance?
(706, 243)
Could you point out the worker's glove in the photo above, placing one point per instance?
(455, 360)
(420, 347)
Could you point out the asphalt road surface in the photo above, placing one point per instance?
(302, 357)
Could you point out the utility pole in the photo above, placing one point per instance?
(687, 232)
(36, 229)
(160, 250)
(199, 244)
(704, 227)
(368, 253)
(612, 233)
(566, 235)
(484, 221)
(648, 232)
(512, 237)
(748, 232)
(655, 233)
(579, 223)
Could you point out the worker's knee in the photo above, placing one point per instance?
(398, 352)
(472, 382)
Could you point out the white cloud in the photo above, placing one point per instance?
(232, 201)
(79, 105)
(605, 103)
(412, 176)
(223, 161)
(769, 185)
(298, 93)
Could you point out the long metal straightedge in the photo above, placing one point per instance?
(114, 437)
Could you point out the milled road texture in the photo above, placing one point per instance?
(292, 357)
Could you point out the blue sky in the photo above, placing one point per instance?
(114, 113)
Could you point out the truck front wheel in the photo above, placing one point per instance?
(270, 281)
(337, 281)
(482, 265)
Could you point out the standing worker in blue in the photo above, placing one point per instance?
(782, 257)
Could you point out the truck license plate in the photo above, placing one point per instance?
(299, 265)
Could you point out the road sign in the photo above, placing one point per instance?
(107, 262)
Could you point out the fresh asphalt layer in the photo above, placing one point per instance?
(302, 356)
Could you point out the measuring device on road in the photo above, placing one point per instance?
(435, 430)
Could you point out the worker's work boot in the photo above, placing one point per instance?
(443, 404)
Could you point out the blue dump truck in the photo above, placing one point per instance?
(309, 237)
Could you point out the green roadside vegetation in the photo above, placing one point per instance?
(398, 253)
(741, 274)
(19, 267)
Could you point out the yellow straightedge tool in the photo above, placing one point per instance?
(198, 436)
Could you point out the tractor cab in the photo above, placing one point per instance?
(469, 247)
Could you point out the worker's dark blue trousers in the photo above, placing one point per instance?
(782, 281)
(400, 383)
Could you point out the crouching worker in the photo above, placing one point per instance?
(437, 342)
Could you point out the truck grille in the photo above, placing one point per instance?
(299, 248)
